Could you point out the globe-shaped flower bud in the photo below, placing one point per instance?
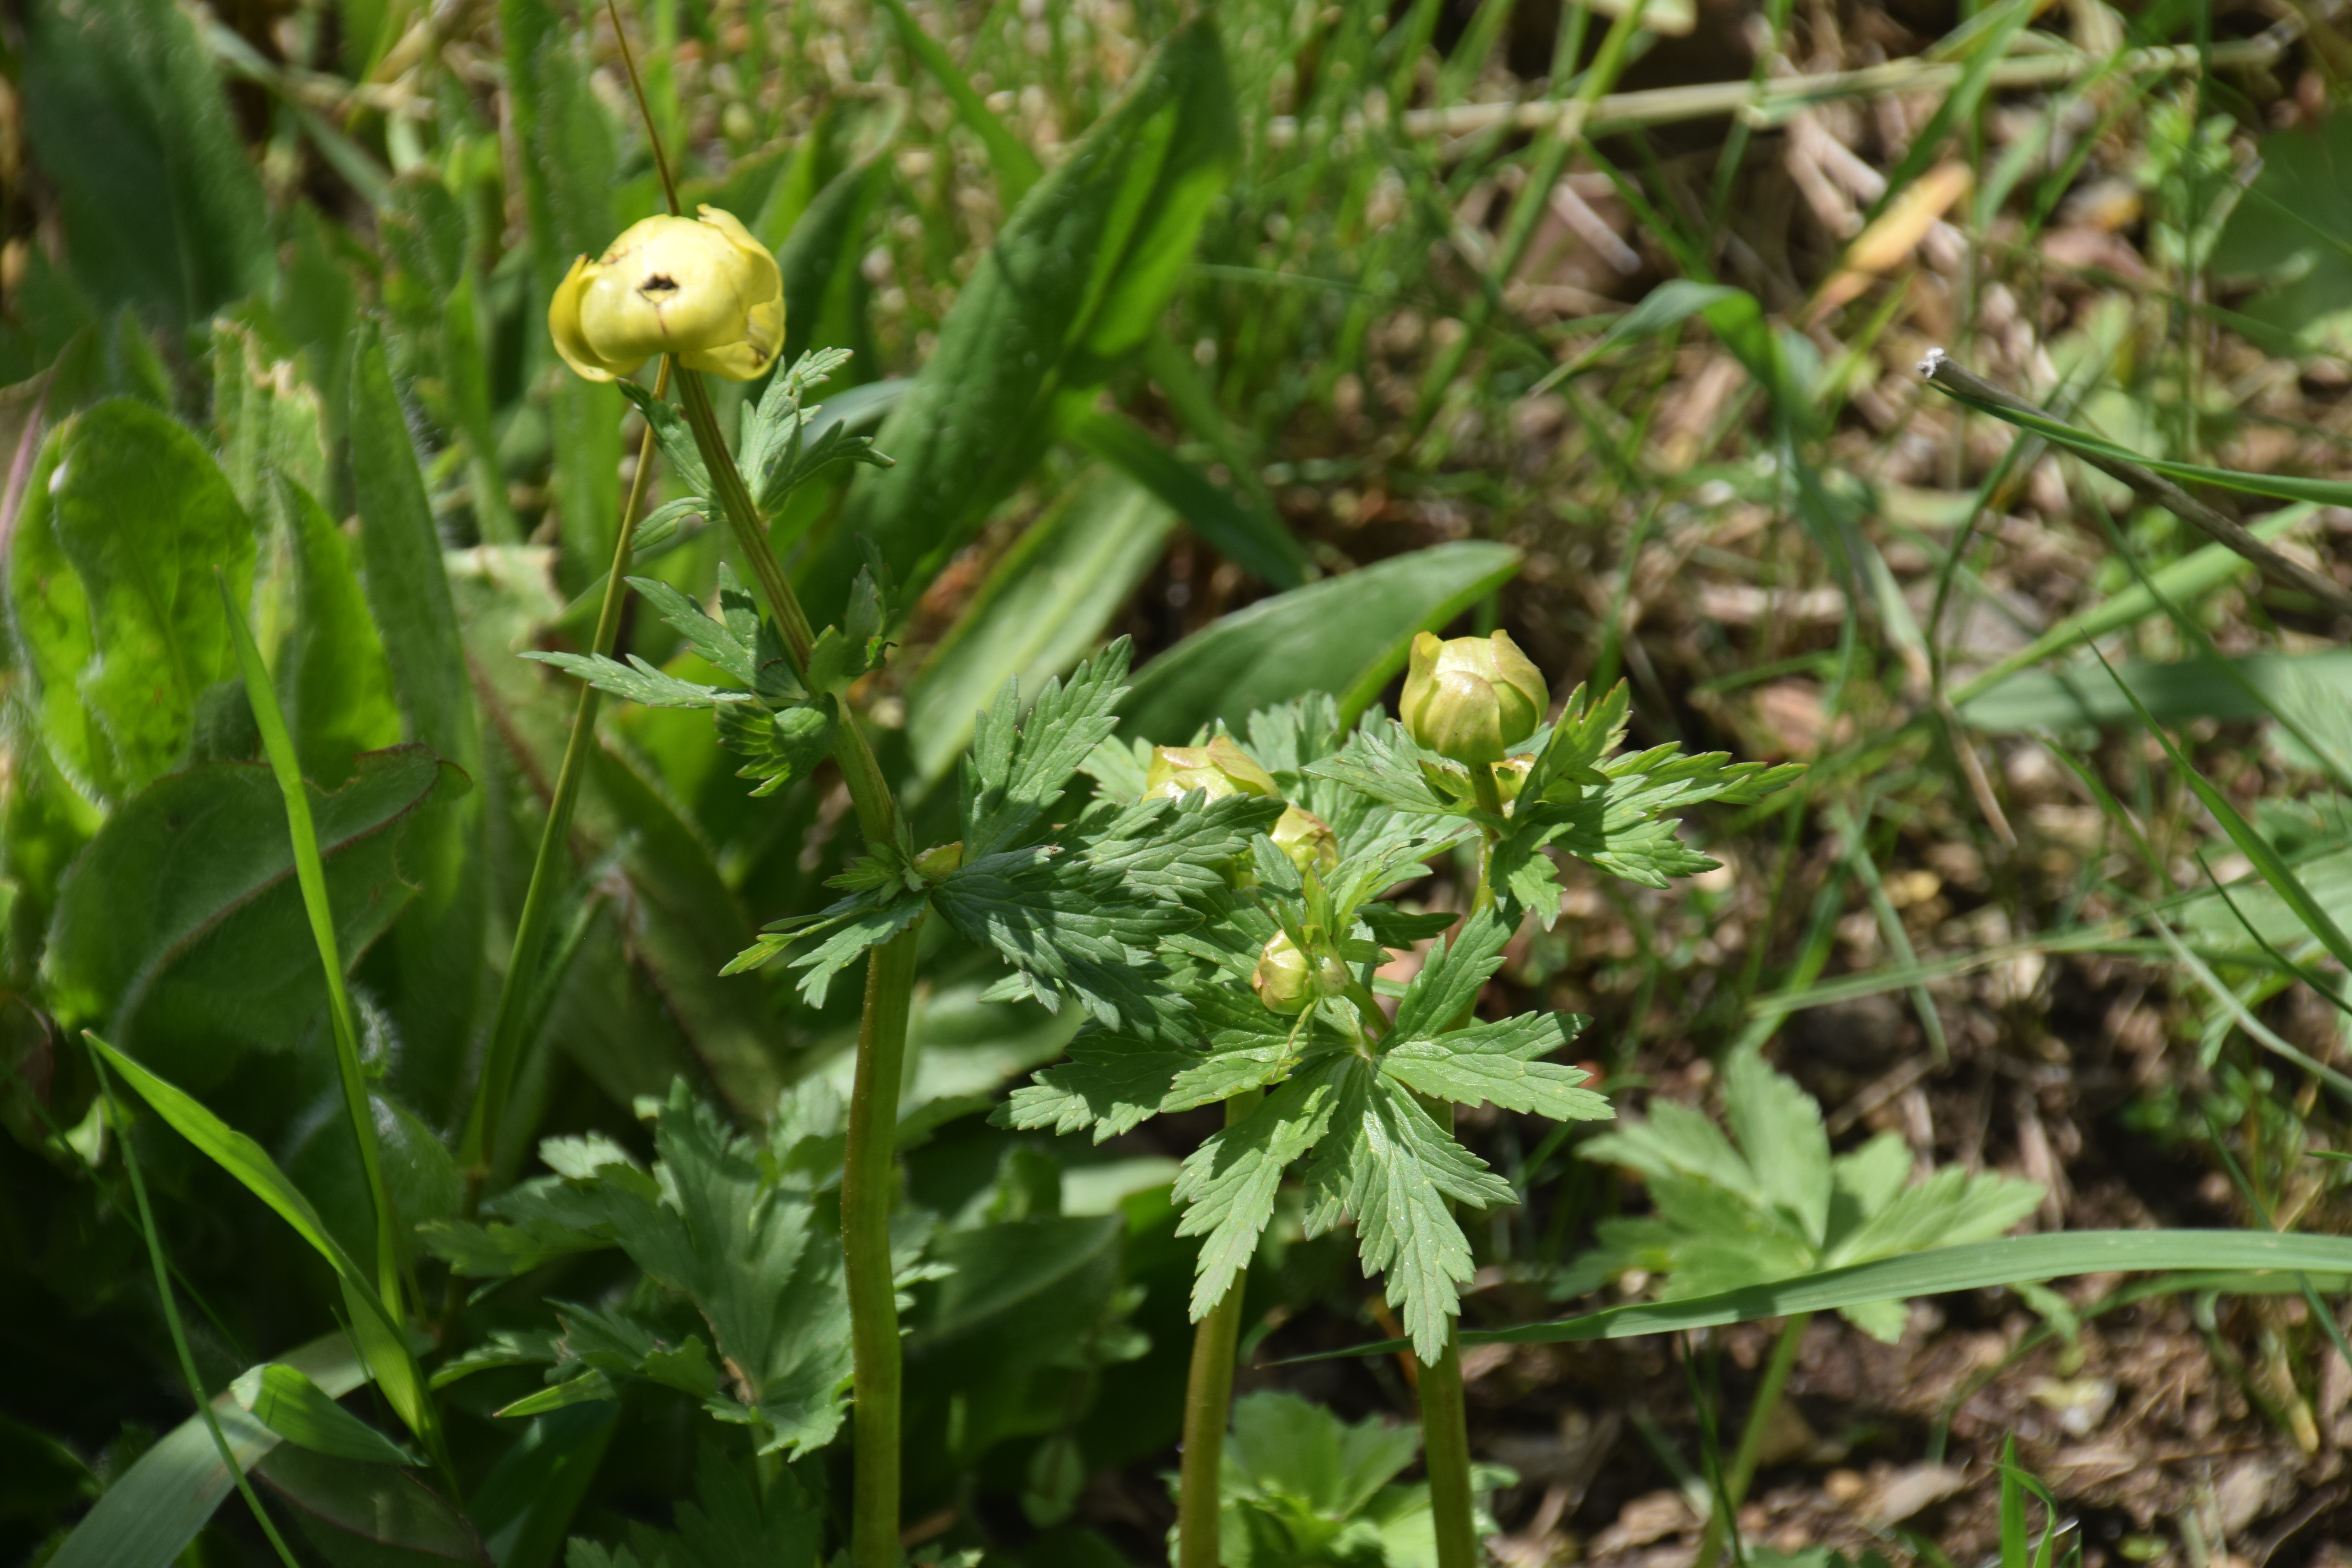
(1287, 979)
(1472, 699)
(1283, 979)
(1307, 839)
(1220, 767)
(700, 288)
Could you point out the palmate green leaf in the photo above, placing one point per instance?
(1452, 977)
(779, 746)
(1110, 1084)
(1178, 848)
(1381, 762)
(1780, 1205)
(711, 1224)
(733, 644)
(1779, 1129)
(639, 681)
(1386, 1163)
(284, 1399)
(737, 1524)
(1452, 1067)
(1228, 1183)
(866, 928)
(146, 1519)
(1069, 923)
(2012, 1260)
(1019, 766)
(181, 932)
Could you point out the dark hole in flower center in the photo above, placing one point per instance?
(659, 283)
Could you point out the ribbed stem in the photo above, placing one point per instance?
(1208, 1406)
(1446, 1423)
(1444, 1417)
(869, 1182)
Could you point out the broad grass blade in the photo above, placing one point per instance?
(1345, 634)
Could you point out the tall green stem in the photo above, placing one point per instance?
(1444, 1417)
(869, 1182)
(480, 1145)
(1208, 1402)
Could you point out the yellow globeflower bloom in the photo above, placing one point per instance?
(700, 288)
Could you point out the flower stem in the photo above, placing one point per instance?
(867, 1175)
(1208, 1404)
(868, 1180)
(877, 813)
(1444, 1417)
(480, 1148)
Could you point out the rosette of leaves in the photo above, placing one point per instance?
(1079, 910)
(1302, 1488)
(1345, 1084)
(736, 1242)
(1771, 1202)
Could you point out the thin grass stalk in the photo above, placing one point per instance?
(479, 1150)
(1208, 1409)
(1751, 1437)
(172, 1316)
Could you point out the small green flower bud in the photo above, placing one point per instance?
(1511, 777)
(1286, 980)
(1220, 767)
(1472, 699)
(938, 860)
(1307, 839)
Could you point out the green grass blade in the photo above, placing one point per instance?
(2278, 486)
(310, 874)
(2250, 842)
(2186, 579)
(285, 1399)
(2010, 1260)
(179, 1331)
(1250, 537)
(146, 1519)
(381, 1335)
(2013, 1549)
(1017, 167)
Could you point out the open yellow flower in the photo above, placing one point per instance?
(700, 288)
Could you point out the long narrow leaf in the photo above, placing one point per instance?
(310, 874)
(2252, 843)
(146, 1519)
(2012, 1260)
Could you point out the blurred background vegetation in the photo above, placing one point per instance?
(1598, 324)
